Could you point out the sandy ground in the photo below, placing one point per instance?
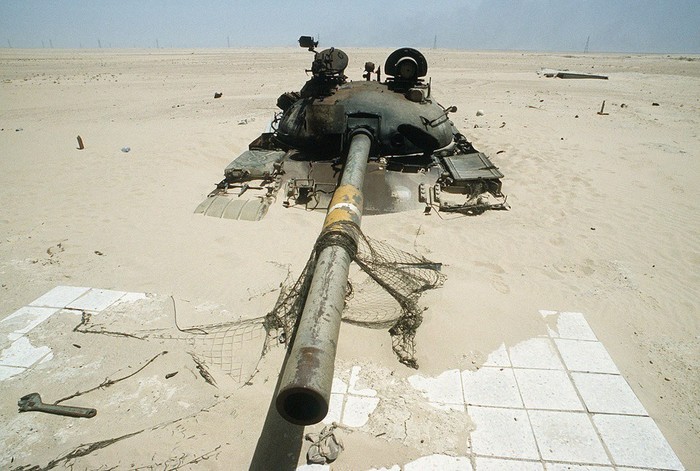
(605, 220)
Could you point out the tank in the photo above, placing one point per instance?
(350, 148)
(417, 158)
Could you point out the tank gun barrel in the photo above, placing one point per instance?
(305, 388)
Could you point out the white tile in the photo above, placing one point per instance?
(502, 433)
(567, 436)
(7, 372)
(636, 441)
(491, 387)
(352, 384)
(96, 300)
(339, 386)
(498, 357)
(60, 296)
(535, 353)
(314, 467)
(608, 394)
(448, 407)
(588, 357)
(578, 467)
(495, 464)
(131, 298)
(335, 409)
(358, 409)
(445, 389)
(439, 463)
(573, 325)
(547, 389)
(22, 353)
(25, 319)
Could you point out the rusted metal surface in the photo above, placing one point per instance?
(305, 388)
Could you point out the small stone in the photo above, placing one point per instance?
(480, 112)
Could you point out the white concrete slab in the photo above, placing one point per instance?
(547, 389)
(567, 436)
(314, 467)
(498, 357)
(587, 357)
(444, 389)
(339, 386)
(439, 463)
(607, 394)
(448, 407)
(535, 353)
(636, 441)
(578, 467)
(96, 300)
(573, 325)
(495, 464)
(21, 353)
(352, 384)
(335, 409)
(504, 433)
(131, 298)
(24, 319)
(7, 372)
(489, 386)
(358, 409)
(60, 296)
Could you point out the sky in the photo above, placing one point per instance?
(633, 26)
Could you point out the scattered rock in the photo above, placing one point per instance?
(126, 149)
(480, 112)
(655, 104)
(218, 94)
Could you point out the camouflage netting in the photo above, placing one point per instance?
(384, 291)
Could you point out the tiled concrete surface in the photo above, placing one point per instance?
(18, 354)
(553, 403)
(556, 402)
(349, 405)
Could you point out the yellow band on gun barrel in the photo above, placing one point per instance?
(346, 205)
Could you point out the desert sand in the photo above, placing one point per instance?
(604, 220)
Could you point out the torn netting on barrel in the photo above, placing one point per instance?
(383, 291)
